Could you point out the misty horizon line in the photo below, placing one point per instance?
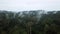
(28, 10)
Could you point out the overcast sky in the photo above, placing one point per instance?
(21, 5)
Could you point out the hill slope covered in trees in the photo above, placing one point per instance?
(30, 22)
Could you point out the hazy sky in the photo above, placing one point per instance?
(19, 5)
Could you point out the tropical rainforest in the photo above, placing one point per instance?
(30, 22)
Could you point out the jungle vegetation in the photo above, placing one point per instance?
(30, 22)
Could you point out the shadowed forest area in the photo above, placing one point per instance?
(30, 22)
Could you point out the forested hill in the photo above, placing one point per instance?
(30, 22)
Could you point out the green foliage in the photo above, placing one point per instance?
(29, 22)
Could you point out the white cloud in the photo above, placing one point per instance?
(16, 5)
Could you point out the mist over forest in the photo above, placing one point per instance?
(29, 22)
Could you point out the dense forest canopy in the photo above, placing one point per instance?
(30, 22)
